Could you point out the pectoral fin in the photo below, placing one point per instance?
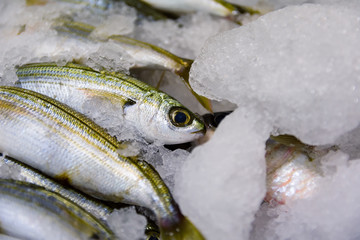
(115, 99)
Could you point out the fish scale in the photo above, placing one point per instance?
(51, 137)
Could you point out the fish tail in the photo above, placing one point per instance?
(184, 74)
(184, 230)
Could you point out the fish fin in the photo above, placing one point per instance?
(36, 2)
(184, 74)
(66, 25)
(204, 101)
(183, 231)
(288, 140)
(114, 98)
(311, 151)
(160, 81)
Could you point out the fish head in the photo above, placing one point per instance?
(178, 124)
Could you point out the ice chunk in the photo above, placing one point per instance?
(300, 65)
(222, 183)
(27, 35)
(127, 224)
(332, 213)
(350, 143)
(172, 161)
(184, 37)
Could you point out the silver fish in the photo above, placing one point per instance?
(31, 212)
(22, 172)
(63, 144)
(215, 7)
(156, 115)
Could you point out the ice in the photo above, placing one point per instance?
(222, 183)
(184, 37)
(332, 212)
(295, 70)
(127, 224)
(299, 65)
(28, 36)
(350, 143)
(111, 26)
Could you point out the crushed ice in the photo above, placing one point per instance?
(295, 70)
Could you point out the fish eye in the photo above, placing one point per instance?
(180, 117)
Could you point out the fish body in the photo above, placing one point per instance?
(31, 175)
(144, 9)
(63, 144)
(291, 173)
(216, 7)
(156, 115)
(31, 212)
(151, 56)
(144, 55)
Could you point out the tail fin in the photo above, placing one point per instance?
(184, 74)
(185, 230)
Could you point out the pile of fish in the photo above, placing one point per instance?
(73, 173)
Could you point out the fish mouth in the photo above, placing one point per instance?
(202, 131)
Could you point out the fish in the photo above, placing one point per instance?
(28, 211)
(290, 174)
(145, 55)
(159, 117)
(63, 144)
(31, 175)
(142, 8)
(216, 7)
(293, 168)
(22, 172)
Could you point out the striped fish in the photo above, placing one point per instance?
(21, 172)
(63, 144)
(31, 212)
(156, 115)
(31, 175)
